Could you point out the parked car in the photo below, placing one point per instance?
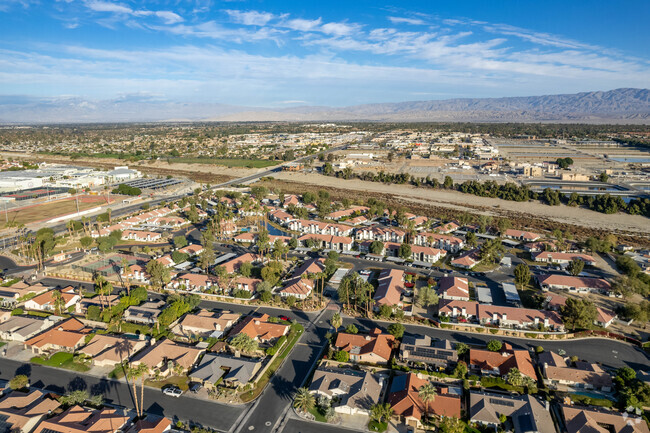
(173, 391)
(285, 318)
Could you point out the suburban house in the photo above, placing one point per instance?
(106, 301)
(191, 250)
(146, 314)
(581, 419)
(355, 391)
(110, 350)
(562, 258)
(390, 287)
(81, 420)
(46, 301)
(22, 328)
(233, 265)
(260, 329)
(561, 374)
(604, 317)
(140, 236)
(300, 287)
(205, 324)
(454, 288)
(330, 242)
(446, 228)
(244, 283)
(448, 243)
(281, 217)
(151, 424)
(527, 413)
(554, 301)
(573, 284)
(512, 317)
(136, 272)
(418, 253)
(66, 336)
(499, 363)
(9, 295)
(356, 210)
(375, 347)
(405, 400)
(21, 412)
(466, 260)
(380, 233)
(163, 355)
(521, 235)
(195, 282)
(166, 260)
(420, 348)
(231, 371)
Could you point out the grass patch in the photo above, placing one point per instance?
(497, 382)
(377, 426)
(61, 360)
(318, 414)
(228, 162)
(10, 282)
(182, 382)
(39, 313)
(118, 372)
(294, 335)
(586, 400)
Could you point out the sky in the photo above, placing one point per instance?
(336, 53)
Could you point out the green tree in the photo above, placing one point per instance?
(385, 311)
(514, 377)
(426, 297)
(376, 247)
(304, 401)
(575, 267)
(180, 241)
(341, 356)
(396, 330)
(246, 269)
(522, 274)
(427, 394)
(449, 424)
(471, 240)
(578, 313)
(19, 381)
(351, 329)
(336, 321)
(244, 343)
(206, 257)
(461, 370)
(86, 242)
(158, 274)
(494, 345)
(461, 348)
(405, 251)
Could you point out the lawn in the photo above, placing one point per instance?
(603, 402)
(50, 210)
(61, 360)
(229, 162)
(318, 414)
(181, 382)
(377, 426)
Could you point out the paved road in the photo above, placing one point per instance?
(295, 425)
(185, 408)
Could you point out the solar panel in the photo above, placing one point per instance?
(502, 402)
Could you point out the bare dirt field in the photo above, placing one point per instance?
(53, 209)
(206, 173)
(622, 223)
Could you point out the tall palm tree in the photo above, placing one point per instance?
(427, 393)
(133, 374)
(126, 272)
(304, 400)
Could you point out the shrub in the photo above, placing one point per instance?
(341, 356)
(494, 331)
(17, 311)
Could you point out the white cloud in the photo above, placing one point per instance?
(102, 6)
(339, 29)
(302, 24)
(250, 18)
(404, 20)
(168, 17)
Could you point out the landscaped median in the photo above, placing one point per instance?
(294, 335)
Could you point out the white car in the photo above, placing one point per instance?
(173, 391)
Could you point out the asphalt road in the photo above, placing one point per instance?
(186, 408)
(299, 426)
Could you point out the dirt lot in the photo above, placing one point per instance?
(206, 173)
(529, 214)
(53, 209)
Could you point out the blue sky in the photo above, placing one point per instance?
(287, 53)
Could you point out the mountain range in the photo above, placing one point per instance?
(615, 106)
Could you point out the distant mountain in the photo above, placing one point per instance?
(615, 106)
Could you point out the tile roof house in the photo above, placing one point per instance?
(233, 265)
(380, 233)
(22, 411)
(205, 324)
(375, 347)
(466, 260)
(81, 420)
(604, 317)
(406, 403)
(110, 350)
(559, 374)
(164, 352)
(231, 370)
(331, 242)
(521, 235)
(523, 318)
(527, 413)
(9, 295)
(562, 258)
(151, 424)
(67, 336)
(553, 301)
(191, 250)
(195, 282)
(454, 288)
(500, 363)
(259, 328)
(390, 287)
(141, 236)
(419, 253)
(337, 215)
(573, 284)
(355, 391)
(317, 227)
(447, 228)
(45, 301)
(420, 348)
(448, 243)
(592, 420)
(300, 287)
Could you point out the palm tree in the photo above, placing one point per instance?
(336, 321)
(304, 400)
(134, 373)
(59, 302)
(514, 377)
(427, 394)
(127, 273)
